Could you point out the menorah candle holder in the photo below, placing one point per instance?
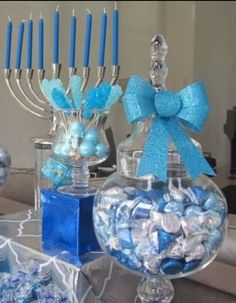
(35, 103)
(53, 166)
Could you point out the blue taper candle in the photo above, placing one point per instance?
(41, 43)
(56, 21)
(103, 34)
(19, 45)
(29, 43)
(72, 40)
(87, 40)
(115, 36)
(8, 44)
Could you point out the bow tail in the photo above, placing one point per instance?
(192, 158)
(155, 153)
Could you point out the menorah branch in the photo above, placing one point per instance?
(18, 73)
(29, 78)
(85, 75)
(115, 70)
(71, 71)
(7, 75)
(100, 75)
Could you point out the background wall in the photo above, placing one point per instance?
(215, 63)
(202, 45)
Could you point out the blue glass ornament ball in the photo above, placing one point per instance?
(5, 163)
(5, 158)
(92, 135)
(87, 149)
(76, 128)
(62, 150)
(101, 150)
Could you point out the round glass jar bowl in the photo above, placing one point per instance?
(160, 230)
(169, 229)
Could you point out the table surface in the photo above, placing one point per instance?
(94, 279)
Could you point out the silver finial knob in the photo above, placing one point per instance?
(158, 69)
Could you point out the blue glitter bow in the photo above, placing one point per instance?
(169, 110)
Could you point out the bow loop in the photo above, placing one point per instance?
(138, 99)
(189, 107)
(167, 104)
(195, 107)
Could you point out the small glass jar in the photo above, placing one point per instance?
(80, 144)
(42, 152)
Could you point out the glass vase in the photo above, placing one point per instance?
(79, 144)
(42, 152)
(160, 230)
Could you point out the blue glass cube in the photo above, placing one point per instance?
(67, 222)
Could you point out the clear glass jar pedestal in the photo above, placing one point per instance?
(155, 290)
(80, 182)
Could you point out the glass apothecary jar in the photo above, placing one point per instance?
(160, 230)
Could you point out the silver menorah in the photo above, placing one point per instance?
(34, 102)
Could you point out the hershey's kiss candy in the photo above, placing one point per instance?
(152, 263)
(170, 223)
(177, 194)
(124, 237)
(165, 240)
(190, 266)
(145, 249)
(171, 266)
(197, 194)
(193, 211)
(140, 231)
(191, 227)
(211, 219)
(197, 254)
(156, 218)
(175, 251)
(174, 207)
(142, 209)
(189, 244)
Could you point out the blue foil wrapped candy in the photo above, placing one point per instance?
(155, 232)
(29, 287)
(171, 267)
(200, 195)
(190, 266)
(164, 240)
